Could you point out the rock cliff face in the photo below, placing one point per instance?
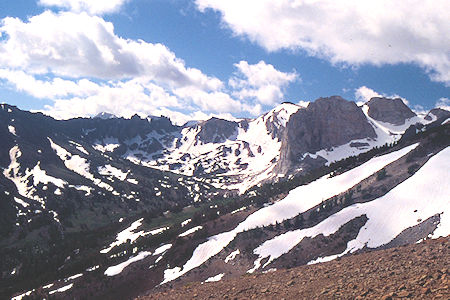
(216, 130)
(325, 123)
(392, 111)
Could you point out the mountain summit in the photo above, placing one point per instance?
(393, 111)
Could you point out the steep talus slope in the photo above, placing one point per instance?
(418, 271)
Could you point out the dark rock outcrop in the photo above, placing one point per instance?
(392, 111)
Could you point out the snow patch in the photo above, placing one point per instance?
(106, 145)
(190, 231)
(21, 202)
(126, 234)
(117, 269)
(63, 289)
(232, 256)
(184, 223)
(426, 192)
(12, 130)
(216, 278)
(109, 170)
(162, 249)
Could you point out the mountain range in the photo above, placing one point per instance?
(316, 180)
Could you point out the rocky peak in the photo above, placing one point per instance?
(105, 116)
(392, 111)
(277, 119)
(438, 113)
(216, 130)
(325, 123)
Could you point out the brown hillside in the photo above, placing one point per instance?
(419, 271)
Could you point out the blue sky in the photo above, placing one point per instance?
(193, 59)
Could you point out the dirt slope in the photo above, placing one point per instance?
(419, 271)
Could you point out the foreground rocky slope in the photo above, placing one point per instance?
(418, 271)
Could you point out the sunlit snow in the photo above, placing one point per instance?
(420, 197)
(216, 278)
(298, 200)
(190, 231)
(115, 270)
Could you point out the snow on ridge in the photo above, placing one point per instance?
(419, 197)
(249, 153)
(117, 269)
(157, 231)
(19, 297)
(129, 234)
(73, 162)
(110, 170)
(88, 190)
(386, 133)
(73, 277)
(62, 289)
(21, 202)
(184, 223)
(126, 234)
(108, 144)
(190, 231)
(161, 249)
(284, 112)
(22, 181)
(80, 166)
(311, 194)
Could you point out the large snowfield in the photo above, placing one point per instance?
(425, 194)
(299, 200)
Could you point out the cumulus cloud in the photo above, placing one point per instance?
(260, 81)
(350, 31)
(78, 61)
(80, 45)
(49, 89)
(443, 103)
(364, 94)
(90, 6)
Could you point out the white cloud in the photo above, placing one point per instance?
(78, 45)
(77, 60)
(260, 81)
(209, 101)
(90, 6)
(364, 94)
(348, 31)
(51, 88)
(443, 103)
(120, 98)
